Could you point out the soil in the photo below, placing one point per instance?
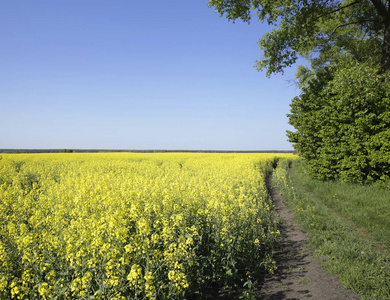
(299, 274)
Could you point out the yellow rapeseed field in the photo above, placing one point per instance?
(132, 226)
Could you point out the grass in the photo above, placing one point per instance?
(347, 224)
(367, 207)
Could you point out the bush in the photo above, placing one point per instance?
(66, 151)
(343, 123)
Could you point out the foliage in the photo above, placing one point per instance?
(314, 29)
(347, 224)
(342, 116)
(343, 123)
(66, 151)
(132, 226)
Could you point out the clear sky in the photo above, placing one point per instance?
(124, 74)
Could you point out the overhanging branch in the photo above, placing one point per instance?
(351, 23)
(381, 9)
(338, 9)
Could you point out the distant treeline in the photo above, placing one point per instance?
(13, 151)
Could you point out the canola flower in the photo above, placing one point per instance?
(132, 226)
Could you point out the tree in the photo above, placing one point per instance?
(311, 28)
(342, 120)
(342, 117)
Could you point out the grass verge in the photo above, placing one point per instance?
(347, 224)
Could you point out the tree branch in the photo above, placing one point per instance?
(381, 9)
(338, 9)
(330, 36)
(351, 23)
(348, 5)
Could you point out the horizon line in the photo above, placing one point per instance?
(55, 150)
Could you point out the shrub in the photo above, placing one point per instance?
(343, 123)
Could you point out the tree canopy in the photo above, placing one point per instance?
(342, 122)
(342, 117)
(314, 29)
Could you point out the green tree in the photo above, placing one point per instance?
(66, 151)
(342, 117)
(314, 28)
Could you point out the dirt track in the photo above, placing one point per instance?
(299, 274)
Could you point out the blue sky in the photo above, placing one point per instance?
(116, 74)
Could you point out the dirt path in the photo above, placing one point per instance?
(299, 274)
